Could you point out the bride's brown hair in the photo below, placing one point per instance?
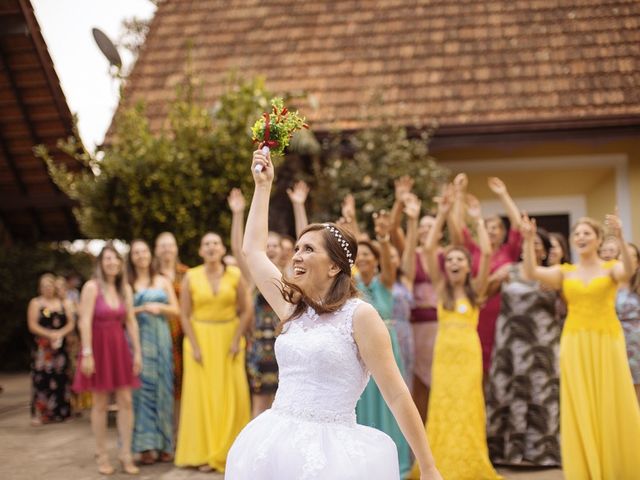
(343, 287)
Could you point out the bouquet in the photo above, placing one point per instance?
(273, 131)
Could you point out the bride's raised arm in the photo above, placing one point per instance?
(265, 274)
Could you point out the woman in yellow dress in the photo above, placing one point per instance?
(456, 426)
(599, 414)
(215, 394)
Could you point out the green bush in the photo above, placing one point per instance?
(144, 183)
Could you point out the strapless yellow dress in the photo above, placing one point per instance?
(599, 413)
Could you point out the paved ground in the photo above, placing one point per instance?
(65, 451)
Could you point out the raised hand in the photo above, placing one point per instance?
(349, 208)
(614, 224)
(236, 201)
(445, 201)
(461, 182)
(412, 205)
(382, 224)
(497, 186)
(298, 194)
(473, 207)
(265, 176)
(528, 227)
(403, 186)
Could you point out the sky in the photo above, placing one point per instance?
(83, 70)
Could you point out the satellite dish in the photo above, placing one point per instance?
(107, 47)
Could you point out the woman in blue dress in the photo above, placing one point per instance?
(375, 280)
(154, 303)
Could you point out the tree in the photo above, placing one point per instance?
(366, 165)
(178, 180)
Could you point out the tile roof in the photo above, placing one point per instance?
(460, 62)
(33, 110)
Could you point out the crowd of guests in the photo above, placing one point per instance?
(503, 343)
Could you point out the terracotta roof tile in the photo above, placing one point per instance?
(456, 61)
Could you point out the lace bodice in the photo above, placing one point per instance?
(321, 373)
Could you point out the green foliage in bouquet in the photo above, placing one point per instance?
(275, 129)
(144, 183)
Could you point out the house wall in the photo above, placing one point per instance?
(576, 177)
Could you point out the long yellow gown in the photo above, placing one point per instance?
(215, 394)
(599, 414)
(456, 426)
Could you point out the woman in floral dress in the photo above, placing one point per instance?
(50, 320)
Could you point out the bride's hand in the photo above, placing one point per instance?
(265, 176)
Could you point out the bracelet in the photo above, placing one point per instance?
(86, 351)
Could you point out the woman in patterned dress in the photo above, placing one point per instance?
(523, 383)
(628, 309)
(50, 319)
(154, 302)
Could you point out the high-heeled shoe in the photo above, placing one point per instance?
(128, 467)
(104, 466)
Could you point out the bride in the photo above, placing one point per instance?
(330, 341)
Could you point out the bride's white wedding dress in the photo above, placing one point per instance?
(311, 431)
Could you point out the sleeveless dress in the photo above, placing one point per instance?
(50, 393)
(262, 367)
(215, 394)
(424, 323)
(628, 309)
(153, 402)
(371, 409)
(523, 391)
(456, 417)
(599, 413)
(402, 302)
(311, 433)
(111, 353)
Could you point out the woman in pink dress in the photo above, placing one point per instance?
(107, 363)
